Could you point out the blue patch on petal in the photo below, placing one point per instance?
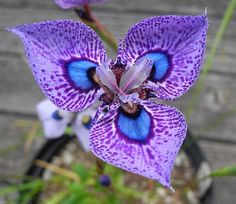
(79, 73)
(56, 115)
(160, 66)
(135, 126)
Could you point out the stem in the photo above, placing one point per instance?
(150, 185)
(210, 58)
(100, 166)
(95, 24)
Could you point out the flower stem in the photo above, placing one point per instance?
(210, 58)
(100, 166)
(95, 24)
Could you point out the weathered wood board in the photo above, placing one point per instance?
(214, 119)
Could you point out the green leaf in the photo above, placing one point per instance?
(68, 131)
(221, 172)
(56, 198)
(21, 187)
(82, 171)
(225, 171)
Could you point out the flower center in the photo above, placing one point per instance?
(123, 81)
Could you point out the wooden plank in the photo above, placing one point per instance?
(9, 42)
(13, 135)
(221, 155)
(118, 24)
(219, 95)
(154, 7)
(13, 3)
(212, 118)
(18, 90)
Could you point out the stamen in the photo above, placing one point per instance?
(107, 77)
(96, 79)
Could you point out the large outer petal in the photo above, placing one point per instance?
(66, 4)
(154, 157)
(181, 38)
(49, 46)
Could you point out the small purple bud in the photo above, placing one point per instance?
(105, 180)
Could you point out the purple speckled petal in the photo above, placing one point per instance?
(153, 157)
(176, 44)
(66, 4)
(55, 50)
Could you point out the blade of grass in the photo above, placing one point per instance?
(21, 187)
(221, 172)
(225, 171)
(56, 198)
(210, 58)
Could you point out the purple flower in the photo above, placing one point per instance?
(67, 4)
(160, 57)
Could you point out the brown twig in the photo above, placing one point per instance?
(88, 18)
(58, 170)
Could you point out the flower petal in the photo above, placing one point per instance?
(176, 45)
(82, 125)
(63, 56)
(66, 4)
(145, 143)
(136, 74)
(107, 77)
(53, 128)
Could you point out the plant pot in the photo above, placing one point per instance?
(54, 147)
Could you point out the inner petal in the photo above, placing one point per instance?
(134, 126)
(107, 77)
(80, 73)
(136, 74)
